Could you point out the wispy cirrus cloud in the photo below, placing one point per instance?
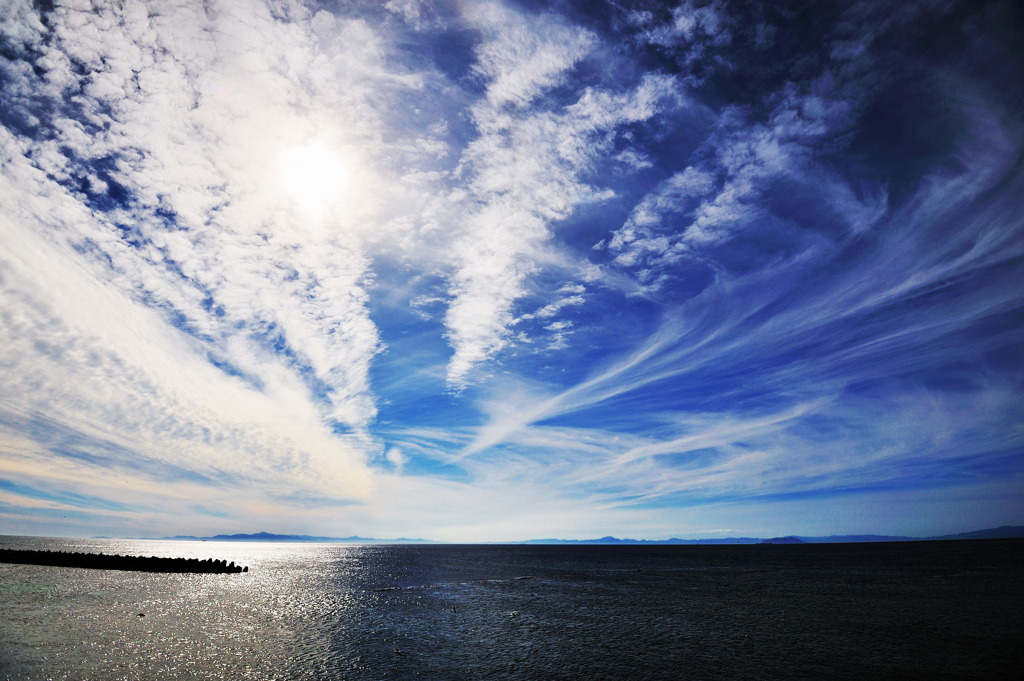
(466, 269)
(185, 196)
(527, 171)
(758, 335)
(164, 293)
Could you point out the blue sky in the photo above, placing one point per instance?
(477, 271)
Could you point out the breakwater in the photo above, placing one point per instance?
(102, 561)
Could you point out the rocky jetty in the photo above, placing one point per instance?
(102, 561)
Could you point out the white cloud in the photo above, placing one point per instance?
(692, 21)
(396, 458)
(127, 387)
(914, 429)
(114, 311)
(693, 30)
(710, 202)
(420, 14)
(149, 236)
(831, 443)
(522, 56)
(643, 236)
(691, 461)
(525, 173)
(198, 108)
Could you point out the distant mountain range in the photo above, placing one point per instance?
(1004, 532)
(266, 536)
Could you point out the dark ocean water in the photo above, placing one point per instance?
(927, 610)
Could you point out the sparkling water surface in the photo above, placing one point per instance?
(928, 610)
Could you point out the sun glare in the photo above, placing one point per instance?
(314, 175)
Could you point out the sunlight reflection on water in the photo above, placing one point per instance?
(108, 624)
(327, 611)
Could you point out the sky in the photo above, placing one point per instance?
(492, 271)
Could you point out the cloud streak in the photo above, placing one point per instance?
(526, 171)
(471, 270)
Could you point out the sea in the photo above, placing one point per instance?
(902, 610)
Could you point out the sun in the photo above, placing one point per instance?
(314, 176)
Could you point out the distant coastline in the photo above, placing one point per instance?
(1003, 532)
(295, 538)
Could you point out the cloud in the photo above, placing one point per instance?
(827, 447)
(693, 32)
(907, 306)
(197, 134)
(639, 239)
(396, 458)
(525, 172)
(419, 14)
(88, 365)
(732, 190)
(164, 295)
(572, 297)
(342, 262)
(174, 125)
(520, 57)
(688, 22)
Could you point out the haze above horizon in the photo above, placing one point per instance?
(474, 271)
